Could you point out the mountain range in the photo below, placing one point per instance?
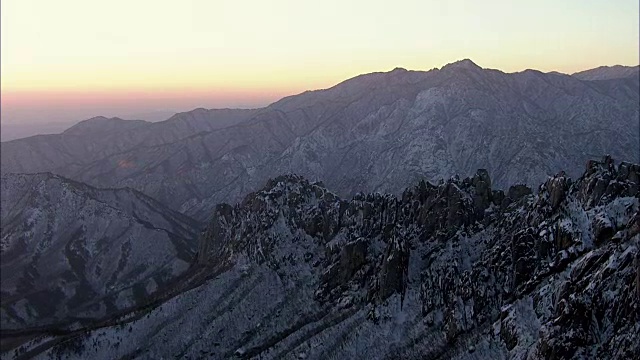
(457, 270)
(406, 214)
(375, 132)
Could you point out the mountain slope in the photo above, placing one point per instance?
(455, 270)
(70, 251)
(608, 72)
(383, 132)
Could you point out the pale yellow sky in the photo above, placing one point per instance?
(264, 49)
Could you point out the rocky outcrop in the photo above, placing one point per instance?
(603, 182)
(515, 193)
(442, 271)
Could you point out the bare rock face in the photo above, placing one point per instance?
(603, 229)
(294, 269)
(515, 193)
(557, 188)
(523, 253)
(350, 259)
(395, 267)
(482, 197)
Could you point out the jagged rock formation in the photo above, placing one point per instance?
(453, 270)
(71, 252)
(376, 132)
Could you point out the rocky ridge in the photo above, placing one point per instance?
(448, 270)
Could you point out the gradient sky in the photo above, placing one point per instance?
(73, 59)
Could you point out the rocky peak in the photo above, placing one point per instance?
(602, 182)
(462, 64)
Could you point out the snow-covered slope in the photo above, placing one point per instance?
(449, 271)
(70, 251)
(609, 72)
(375, 132)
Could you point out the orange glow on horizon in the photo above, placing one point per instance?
(144, 55)
(52, 97)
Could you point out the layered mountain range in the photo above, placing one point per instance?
(457, 270)
(375, 132)
(132, 239)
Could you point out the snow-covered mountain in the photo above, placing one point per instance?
(456, 270)
(609, 72)
(71, 252)
(375, 132)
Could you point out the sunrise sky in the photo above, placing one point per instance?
(66, 60)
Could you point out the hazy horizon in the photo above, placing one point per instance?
(65, 66)
(359, 179)
(20, 109)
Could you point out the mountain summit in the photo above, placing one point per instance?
(462, 64)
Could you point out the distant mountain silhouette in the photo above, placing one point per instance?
(375, 132)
